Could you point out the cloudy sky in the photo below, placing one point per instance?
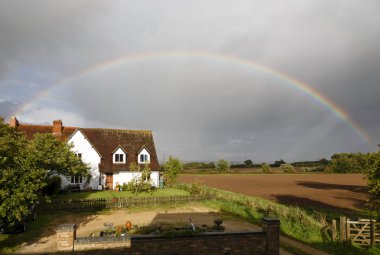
(260, 80)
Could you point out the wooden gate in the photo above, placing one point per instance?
(363, 232)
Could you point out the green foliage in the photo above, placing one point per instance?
(222, 165)
(360, 163)
(287, 168)
(248, 163)
(278, 163)
(25, 167)
(20, 180)
(55, 156)
(349, 163)
(134, 167)
(198, 165)
(373, 176)
(172, 168)
(53, 186)
(319, 163)
(142, 183)
(266, 168)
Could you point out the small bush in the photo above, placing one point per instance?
(287, 168)
(222, 165)
(266, 168)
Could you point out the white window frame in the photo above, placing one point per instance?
(76, 179)
(119, 161)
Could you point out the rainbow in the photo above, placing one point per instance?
(291, 82)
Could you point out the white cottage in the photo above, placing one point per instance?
(109, 152)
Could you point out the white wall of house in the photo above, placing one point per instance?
(126, 177)
(89, 156)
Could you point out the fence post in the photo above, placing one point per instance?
(373, 233)
(342, 228)
(272, 229)
(348, 230)
(333, 230)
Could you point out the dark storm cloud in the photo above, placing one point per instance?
(7, 108)
(202, 108)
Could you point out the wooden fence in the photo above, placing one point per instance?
(361, 232)
(119, 202)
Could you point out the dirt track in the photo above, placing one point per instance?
(333, 191)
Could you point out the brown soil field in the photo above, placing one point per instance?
(340, 192)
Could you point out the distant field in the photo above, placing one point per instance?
(332, 191)
(251, 170)
(245, 170)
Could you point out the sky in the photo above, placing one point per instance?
(260, 80)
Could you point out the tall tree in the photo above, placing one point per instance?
(373, 176)
(172, 168)
(248, 163)
(55, 157)
(20, 180)
(222, 165)
(25, 167)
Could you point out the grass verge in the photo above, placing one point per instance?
(112, 193)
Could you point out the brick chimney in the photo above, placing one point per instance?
(57, 127)
(13, 122)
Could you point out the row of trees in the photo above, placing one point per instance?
(25, 169)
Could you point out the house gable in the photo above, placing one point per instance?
(83, 146)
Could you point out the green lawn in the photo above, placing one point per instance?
(112, 193)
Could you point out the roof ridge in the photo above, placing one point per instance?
(118, 130)
(40, 125)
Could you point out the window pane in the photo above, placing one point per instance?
(142, 158)
(121, 158)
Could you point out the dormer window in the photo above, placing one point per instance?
(119, 156)
(143, 157)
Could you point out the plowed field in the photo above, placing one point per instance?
(332, 191)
